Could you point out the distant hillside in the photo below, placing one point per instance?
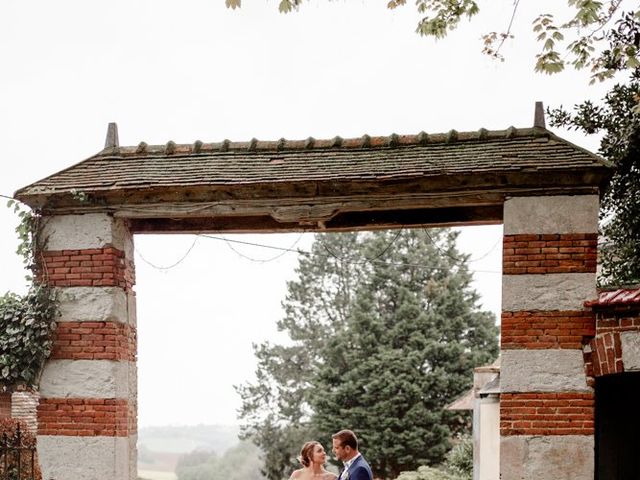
(184, 439)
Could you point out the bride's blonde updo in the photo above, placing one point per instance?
(306, 454)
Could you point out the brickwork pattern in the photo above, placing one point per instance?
(94, 341)
(96, 267)
(619, 323)
(605, 349)
(546, 329)
(567, 413)
(5, 405)
(23, 407)
(606, 354)
(86, 417)
(549, 253)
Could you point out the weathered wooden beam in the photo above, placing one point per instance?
(369, 220)
(453, 190)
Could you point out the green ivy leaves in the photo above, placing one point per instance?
(26, 335)
(27, 323)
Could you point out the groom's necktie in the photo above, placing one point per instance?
(344, 475)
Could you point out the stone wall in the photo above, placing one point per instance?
(547, 403)
(24, 405)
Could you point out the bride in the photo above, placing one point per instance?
(312, 457)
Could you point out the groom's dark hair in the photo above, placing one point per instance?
(346, 438)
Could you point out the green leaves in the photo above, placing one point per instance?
(233, 4)
(442, 15)
(26, 323)
(618, 119)
(588, 42)
(286, 6)
(549, 60)
(26, 327)
(588, 12)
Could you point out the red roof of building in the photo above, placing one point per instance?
(613, 298)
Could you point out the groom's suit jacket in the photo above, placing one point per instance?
(359, 470)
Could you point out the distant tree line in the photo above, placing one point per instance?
(241, 462)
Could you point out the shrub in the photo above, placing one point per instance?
(18, 456)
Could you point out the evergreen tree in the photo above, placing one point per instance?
(275, 408)
(385, 331)
(413, 338)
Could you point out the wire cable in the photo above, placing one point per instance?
(158, 267)
(366, 260)
(282, 249)
(267, 260)
(458, 259)
(305, 253)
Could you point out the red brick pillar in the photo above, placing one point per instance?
(547, 403)
(88, 402)
(5, 405)
(616, 345)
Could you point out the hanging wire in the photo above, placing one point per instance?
(292, 249)
(267, 260)
(282, 249)
(298, 251)
(366, 260)
(159, 267)
(458, 259)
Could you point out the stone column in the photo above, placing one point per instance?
(547, 403)
(88, 404)
(24, 405)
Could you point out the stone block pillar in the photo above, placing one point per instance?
(547, 403)
(88, 403)
(24, 405)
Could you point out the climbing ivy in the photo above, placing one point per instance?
(27, 322)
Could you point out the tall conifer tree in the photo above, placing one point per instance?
(385, 331)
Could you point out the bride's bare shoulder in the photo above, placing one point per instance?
(296, 473)
(330, 476)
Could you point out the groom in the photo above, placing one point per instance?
(345, 448)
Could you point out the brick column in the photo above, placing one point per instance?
(5, 405)
(88, 402)
(616, 346)
(547, 404)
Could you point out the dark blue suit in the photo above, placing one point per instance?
(359, 470)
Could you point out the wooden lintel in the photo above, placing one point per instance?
(368, 220)
(322, 199)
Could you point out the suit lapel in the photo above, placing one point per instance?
(344, 474)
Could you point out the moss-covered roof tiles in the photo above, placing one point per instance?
(365, 158)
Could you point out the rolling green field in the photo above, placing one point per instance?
(159, 448)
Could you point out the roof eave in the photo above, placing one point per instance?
(507, 182)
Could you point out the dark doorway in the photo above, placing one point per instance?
(618, 427)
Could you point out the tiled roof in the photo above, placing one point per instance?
(614, 298)
(365, 158)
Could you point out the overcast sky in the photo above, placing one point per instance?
(166, 70)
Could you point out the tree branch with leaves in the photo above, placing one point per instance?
(579, 40)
